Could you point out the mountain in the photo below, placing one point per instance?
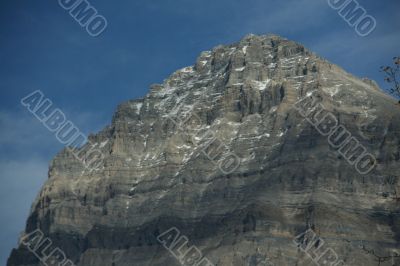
(238, 159)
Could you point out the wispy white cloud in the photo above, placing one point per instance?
(27, 148)
(20, 183)
(29, 137)
(23, 131)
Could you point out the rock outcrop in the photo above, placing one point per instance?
(220, 152)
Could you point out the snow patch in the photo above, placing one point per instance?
(310, 93)
(270, 55)
(261, 85)
(138, 107)
(103, 143)
(187, 69)
(184, 146)
(332, 91)
(280, 134)
(273, 109)
(297, 77)
(234, 123)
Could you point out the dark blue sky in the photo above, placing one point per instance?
(43, 47)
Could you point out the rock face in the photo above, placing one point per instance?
(163, 168)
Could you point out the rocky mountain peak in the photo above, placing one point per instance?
(220, 151)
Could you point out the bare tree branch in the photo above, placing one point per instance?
(379, 258)
(392, 76)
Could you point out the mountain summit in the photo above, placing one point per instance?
(226, 153)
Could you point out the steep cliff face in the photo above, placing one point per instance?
(221, 152)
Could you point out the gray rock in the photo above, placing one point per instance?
(156, 174)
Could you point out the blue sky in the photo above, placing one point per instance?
(43, 47)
